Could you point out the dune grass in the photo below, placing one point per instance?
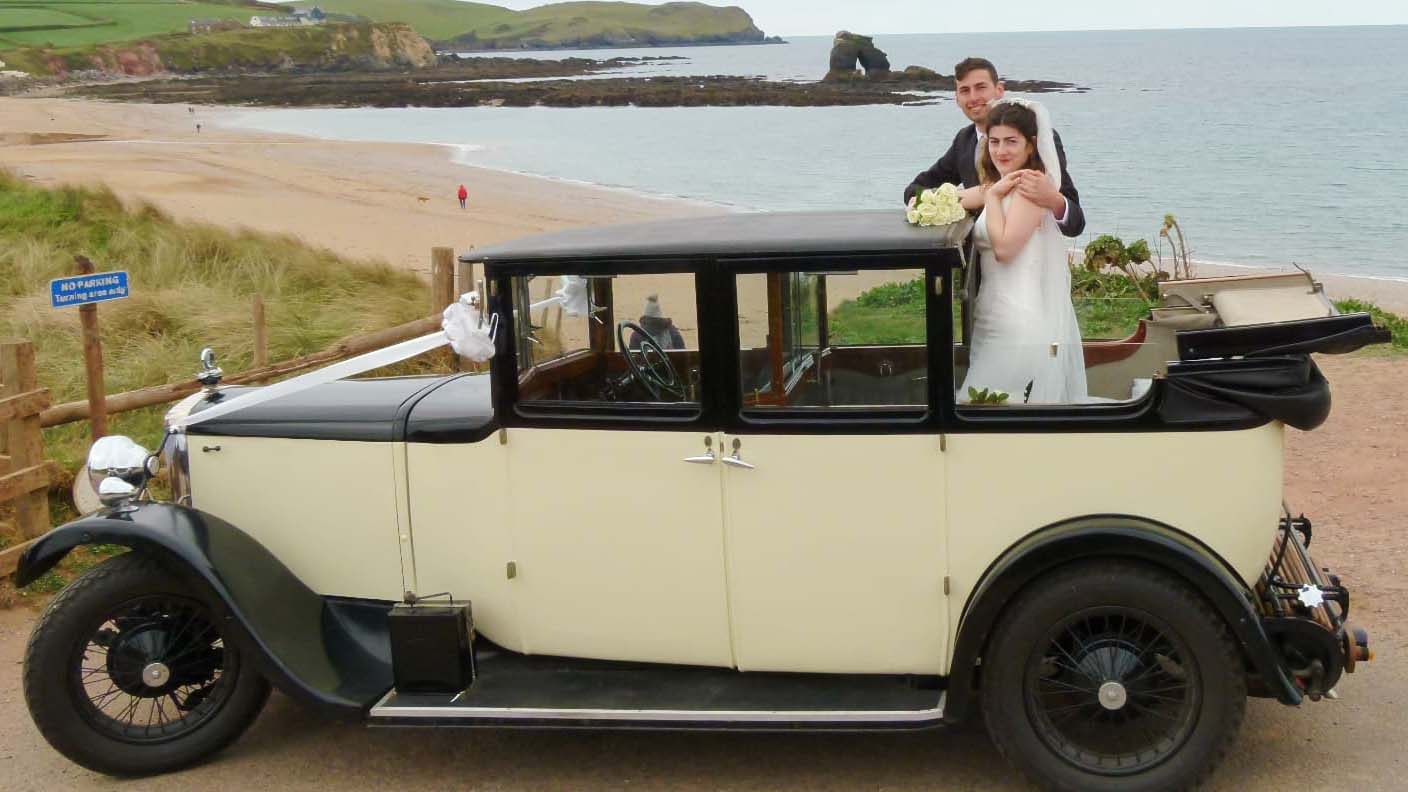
(192, 286)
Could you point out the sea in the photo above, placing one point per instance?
(1273, 147)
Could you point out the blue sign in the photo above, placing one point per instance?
(81, 289)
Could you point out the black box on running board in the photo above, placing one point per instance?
(432, 648)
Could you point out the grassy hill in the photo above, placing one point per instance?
(356, 46)
(61, 23)
(481, 26)
(438, 20)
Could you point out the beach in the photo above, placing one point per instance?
(390, 201)
(365, 200)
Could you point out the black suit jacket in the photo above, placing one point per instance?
(956, 166)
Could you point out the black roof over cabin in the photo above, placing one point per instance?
(732, 236)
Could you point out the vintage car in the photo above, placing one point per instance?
(734, 487)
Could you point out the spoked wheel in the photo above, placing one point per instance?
(1112, 676)
(1114, 692)
(156, 668)
(129, 672)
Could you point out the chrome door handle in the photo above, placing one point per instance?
(735, 460)
(709, 457)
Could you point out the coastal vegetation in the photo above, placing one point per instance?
(192, 286)
(481, 26)
(71, 23)
(343, 47)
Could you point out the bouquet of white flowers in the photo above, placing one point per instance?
(935, 207)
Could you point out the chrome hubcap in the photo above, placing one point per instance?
(1113, 696)
(155, 675)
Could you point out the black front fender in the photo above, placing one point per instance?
(329, 652)
(1108, 536)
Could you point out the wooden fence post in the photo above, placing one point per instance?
(464, 284)
(442, 292)
(442, 279)
(27, 477)
(93, 359)
(261, 334)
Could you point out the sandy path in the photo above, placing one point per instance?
(1346, 475)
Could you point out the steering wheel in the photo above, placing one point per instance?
(649, 365)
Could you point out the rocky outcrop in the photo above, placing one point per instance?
(850, 50)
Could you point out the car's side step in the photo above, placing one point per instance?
(514, 690)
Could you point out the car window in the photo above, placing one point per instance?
(629, 339)
(833, 340)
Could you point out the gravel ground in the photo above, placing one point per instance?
(1349, 477)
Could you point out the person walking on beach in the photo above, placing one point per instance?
(464, 196)
(977, 87)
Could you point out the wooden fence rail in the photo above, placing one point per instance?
(24, 474)
(25, 408)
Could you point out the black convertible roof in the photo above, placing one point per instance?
(731, 236)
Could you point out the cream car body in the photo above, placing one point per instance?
(769, 510)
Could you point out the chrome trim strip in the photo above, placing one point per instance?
(381, 710)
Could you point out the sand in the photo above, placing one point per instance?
(382, 200)
(387, 201)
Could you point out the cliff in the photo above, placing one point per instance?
(347, 47)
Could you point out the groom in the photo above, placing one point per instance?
(977, 85)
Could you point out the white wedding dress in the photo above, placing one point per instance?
(1024, 325)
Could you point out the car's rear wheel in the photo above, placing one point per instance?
(1112, 675)
(129, 672)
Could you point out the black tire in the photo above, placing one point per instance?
(131, 615)
(1112, 675)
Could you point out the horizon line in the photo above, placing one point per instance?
(1108, 30)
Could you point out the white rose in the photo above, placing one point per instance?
(912, 214)
(929, 196)
(928, 214)
(949, 191)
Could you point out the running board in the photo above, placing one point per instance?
(513, 690)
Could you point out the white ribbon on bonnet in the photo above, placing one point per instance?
(463, 327)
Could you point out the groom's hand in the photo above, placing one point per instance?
(1037, 188)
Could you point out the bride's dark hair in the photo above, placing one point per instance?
(1022, 119)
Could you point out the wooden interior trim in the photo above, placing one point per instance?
(1098, 353)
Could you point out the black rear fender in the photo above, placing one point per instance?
(1109, 537)
(332, 653)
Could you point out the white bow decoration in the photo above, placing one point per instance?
(469, 335)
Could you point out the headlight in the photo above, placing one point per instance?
(118, 469)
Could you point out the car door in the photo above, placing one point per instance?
(616, 513)
(834, 482)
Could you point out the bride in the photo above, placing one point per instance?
(1026, 342)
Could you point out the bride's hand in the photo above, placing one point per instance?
(1004, 185)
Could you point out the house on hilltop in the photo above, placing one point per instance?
(274, 21)
(299, 17)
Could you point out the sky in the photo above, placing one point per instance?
(825, 17)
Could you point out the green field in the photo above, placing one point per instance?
(438, 20)
(68, 24)
(547, 25)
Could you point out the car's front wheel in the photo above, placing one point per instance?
(129, 672)
(1112, 675)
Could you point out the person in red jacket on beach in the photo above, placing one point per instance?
(464, 196)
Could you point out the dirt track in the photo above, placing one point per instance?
(1349, 477)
